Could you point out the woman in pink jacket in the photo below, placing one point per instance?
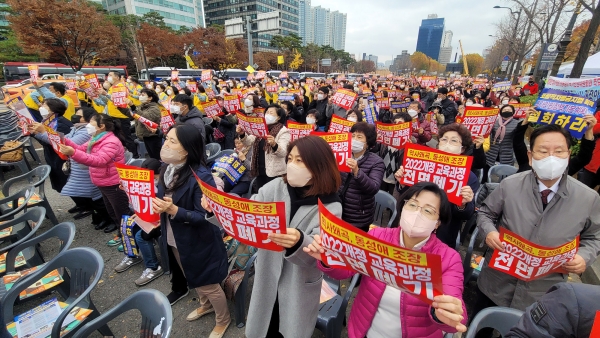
(381, 311)
(100, 154)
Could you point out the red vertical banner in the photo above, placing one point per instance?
(166, 120)
(596, 327)
(253, 125)
(211, 108)
(33, 72)
(527, 261)
(232, 103)
(433, 127)
(206, 75)
(346, 247)
(210, 93)
(118, 96)
(341, 146)
(450, 172)
(393, 135)
(344, 98)
(299, 130)
(192, 86)
(247, 221)
(415, 126)
(479, 120)
(138, 183)
(383, 103)
(92, 79)
(339, 125)
(56, 140)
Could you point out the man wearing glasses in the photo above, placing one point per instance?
(545, 206)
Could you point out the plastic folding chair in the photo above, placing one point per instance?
(226, 152)
(249, 193)
(383, 201)
(240, 293)
(31, 149)
(128, 156)
(24, 228)
(3, 331)
(10, 206)
(136, 162)
(141, 148)
(212, 152)
(500, 172)
(157, 316)
(333, 312)
(23, 165)
(85, 267)
(37, 177)
(207, 120)
(484, 191)
(498, 318)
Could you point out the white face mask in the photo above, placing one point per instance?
(352, 119)
(248, 103)
(44, 111)
(270, 119)
(320, 96)
(469, 104)
(504, 102)
(91, 130)
(128, 81)
(143, 99)
(357, 146)
(111, 80)
(175, 109)
(412, 113)
(550, 168)
(450, 148)
(169, 92)
(311, 120)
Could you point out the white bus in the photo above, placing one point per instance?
(313, 75)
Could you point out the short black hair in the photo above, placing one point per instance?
(57, 106)
(404, 116)
(134, 79)
(324, 89)
(88, 113)
(151, 94)
(550, 128)
(59, 87)
(116, 72)
(368, 130)
(184, 99)
(315, 113)
(445, 212)
(152, 164)
(280, 112)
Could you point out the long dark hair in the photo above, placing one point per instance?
(111, 125)
(192, 142)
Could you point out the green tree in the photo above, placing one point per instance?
(155, 19)
(11, 51)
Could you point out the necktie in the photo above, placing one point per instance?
(545, 194)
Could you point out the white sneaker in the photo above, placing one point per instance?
(149, 275)
(127, 262)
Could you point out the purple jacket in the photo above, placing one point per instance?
(101, 160)
(415, 317)
(359, 199)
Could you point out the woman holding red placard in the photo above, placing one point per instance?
(383, 311)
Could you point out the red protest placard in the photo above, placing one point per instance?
(341, 145)
(210, 93)
(88, 89)
(206, 75)
(138, 183)
(166, 120)
(433, 127)
(415, 125)
(479, 120)
(520, 109)
(393, 135)
(596, 327)
(299, 130)
(192, 86)
(232, 103)
(25, 118)
(450, 172)
(283, 75)
(344, 98)
(92, 79)
(428, 81)
(118, 96)
(339, 125)
(71, 84)
(526, 260)
(383, 103)
(174, 75)
(145, 121)
(271, 87)
(260, 75)
(247, 221)
(148, 84)
(33, 72)
(394, 94)
(479, 85)
(55, 140)
(253, 125)
(212, 108)
(348, 248)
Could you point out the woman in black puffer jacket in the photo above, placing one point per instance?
(360, 186)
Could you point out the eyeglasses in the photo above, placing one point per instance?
(558, 153)
(427, 211)
(454, 141)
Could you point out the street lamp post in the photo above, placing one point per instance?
(564, 42)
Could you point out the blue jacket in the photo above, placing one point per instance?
(199, 242)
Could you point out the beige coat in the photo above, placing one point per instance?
(274, 160)
(517, 205)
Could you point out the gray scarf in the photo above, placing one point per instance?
(169, 177)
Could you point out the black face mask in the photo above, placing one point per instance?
(506, 114)
(75, 119)
(531, 82)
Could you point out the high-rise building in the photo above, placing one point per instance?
(176, 13)
(217, 11)
(322, 26)
(401, 63)
(446, 48)
(430, 36)
(373, 58)
(388, 63)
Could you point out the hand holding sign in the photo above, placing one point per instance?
(286, 240)
(69, 151)
(164, 205)
(314, 249)
(449, 310)
(493, 241)
(577, 265)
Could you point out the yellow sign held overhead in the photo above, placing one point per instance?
(280, 59)
(250, 69)
(190, 62)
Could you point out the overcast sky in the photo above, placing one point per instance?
(386, 27)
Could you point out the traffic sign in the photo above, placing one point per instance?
(506, 58)
(504, 66)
